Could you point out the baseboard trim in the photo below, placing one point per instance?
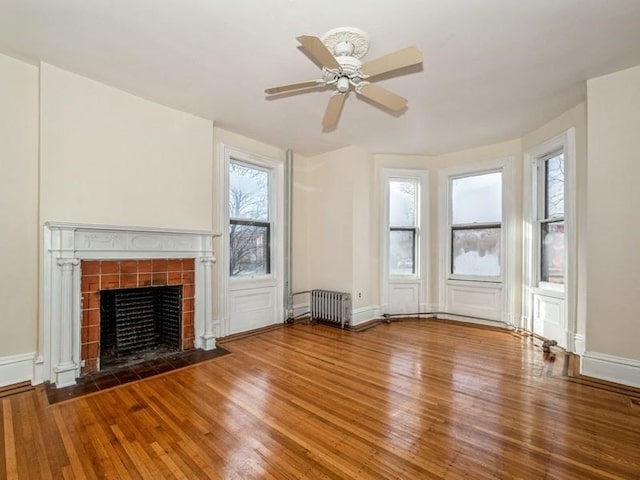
(248, 333)
(579, 344)
(611, 368)
(300, 309)
(471, 320)
(16, 368)
(365, 314)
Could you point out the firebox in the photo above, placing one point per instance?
(136, 321)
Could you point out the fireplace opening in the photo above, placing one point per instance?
(137, 324)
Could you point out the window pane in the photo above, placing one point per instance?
(552, 257)
(477, 199)
(554, 186)
(476, 251)
(402, 203)
(402, 249)
(248, 193)
(249, 249)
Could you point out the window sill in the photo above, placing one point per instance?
(482, 282)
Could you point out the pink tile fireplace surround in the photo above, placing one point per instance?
(72, 251)
(101, 275)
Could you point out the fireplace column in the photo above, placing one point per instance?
(208, 337)
(65, 370)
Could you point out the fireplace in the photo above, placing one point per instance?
(135, 322)
(142, 286)
(85, 263)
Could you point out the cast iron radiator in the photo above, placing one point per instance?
(331, 307)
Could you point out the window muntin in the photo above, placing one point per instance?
(249, 220)
(403, 208)
(551, 221)
(476, 226)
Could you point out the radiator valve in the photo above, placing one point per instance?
(547, 344)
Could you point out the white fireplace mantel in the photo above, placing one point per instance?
(66, 244)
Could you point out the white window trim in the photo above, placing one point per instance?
(269, 277)
(565, 141)
(507, 239)
(276, 215)
(538, 205)
(422, 233)
(450, 227)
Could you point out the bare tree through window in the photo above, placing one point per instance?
(552, 222)
(402, 227)
(249, 226)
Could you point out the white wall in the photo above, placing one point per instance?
(365, 241)
(108, 157)
(613, 232)
(342, 226)
(329, 220)
(18, 213)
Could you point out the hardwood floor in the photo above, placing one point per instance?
(414, 400)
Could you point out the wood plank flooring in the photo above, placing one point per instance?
(412, 400)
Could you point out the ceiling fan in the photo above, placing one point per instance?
(339, 52)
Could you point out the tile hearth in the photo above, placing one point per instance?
(98, 381)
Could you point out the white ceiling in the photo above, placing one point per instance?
(493, 69)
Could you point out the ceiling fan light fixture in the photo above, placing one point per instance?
(338, 52)
(343, 84)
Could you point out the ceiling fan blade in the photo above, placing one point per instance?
(293, 86)
(315, 48)
(402, 58)
(332, 113)
(383, 97)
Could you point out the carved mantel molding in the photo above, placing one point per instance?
(66, 244)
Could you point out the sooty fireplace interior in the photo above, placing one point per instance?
(135, 322)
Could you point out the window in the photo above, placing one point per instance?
(551, 219)
(249, 222)
(476, 222)
(403, 195)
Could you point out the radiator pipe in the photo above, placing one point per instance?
(387, 316)
(288, 237)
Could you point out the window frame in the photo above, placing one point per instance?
(541, 215)
(253, 223)
(415, 274)
(414, 256)
(254, 165)
(451, 228)
(399, 292)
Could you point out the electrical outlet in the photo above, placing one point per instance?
(359, 294)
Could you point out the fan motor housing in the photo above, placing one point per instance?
(350, 65)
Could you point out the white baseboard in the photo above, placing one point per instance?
(16, 368)
(38, 371)
(579, 344)
(300, 309)
(364, 314)
(477, 321)
(358, 315)
(611, 368)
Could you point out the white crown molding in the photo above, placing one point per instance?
(17, 368)
(611, 368)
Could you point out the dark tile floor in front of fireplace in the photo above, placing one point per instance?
(97, 381)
